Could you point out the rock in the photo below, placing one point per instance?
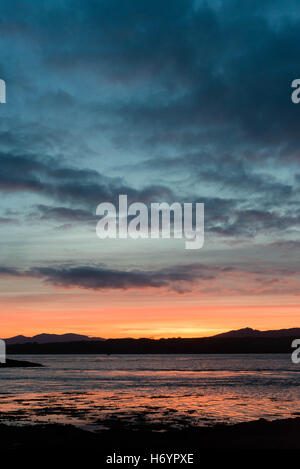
(18, 364)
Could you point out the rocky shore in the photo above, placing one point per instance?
(18, 364)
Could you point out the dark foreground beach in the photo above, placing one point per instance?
(260, 434)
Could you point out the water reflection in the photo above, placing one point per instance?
(157, 391)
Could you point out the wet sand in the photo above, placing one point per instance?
(108, 410)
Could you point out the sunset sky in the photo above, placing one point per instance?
(165, 101)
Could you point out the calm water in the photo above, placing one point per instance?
(154, 390)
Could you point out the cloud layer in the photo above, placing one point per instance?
(178, 100)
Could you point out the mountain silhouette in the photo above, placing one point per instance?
(245, 340)
(238, 334)
(49, 338)
(248, 332)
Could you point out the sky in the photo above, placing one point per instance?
(173, 101)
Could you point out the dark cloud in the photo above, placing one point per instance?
(214, 75)
(9, 272)
(63, 214)
(221, 69)
(253, 222)
(226, 171)
(178, 278)
(48, 177)
(102, 278)
(225, 69)
(85, 188)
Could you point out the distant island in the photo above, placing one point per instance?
(244, 340)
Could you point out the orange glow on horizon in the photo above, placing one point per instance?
(151, 321)
(29, 308)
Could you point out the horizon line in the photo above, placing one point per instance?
(150, 337)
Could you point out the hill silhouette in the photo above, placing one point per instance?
(245, 340)
(248, 332)
(49, 338)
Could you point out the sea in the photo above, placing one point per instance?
(157, 391)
